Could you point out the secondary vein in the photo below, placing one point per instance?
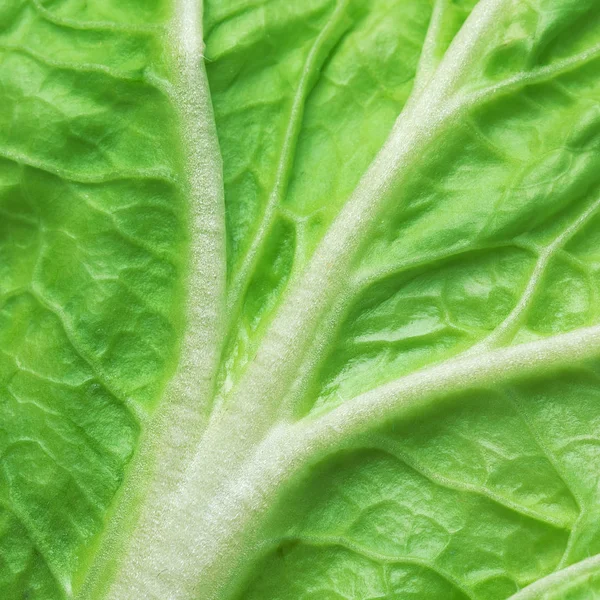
(314, 61)
(407, 395)
(428, 60)
(506, 331)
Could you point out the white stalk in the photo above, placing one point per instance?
(130, 555)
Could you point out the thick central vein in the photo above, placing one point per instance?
(134, 548)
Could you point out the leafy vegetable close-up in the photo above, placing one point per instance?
(299, 299)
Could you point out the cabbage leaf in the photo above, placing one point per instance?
(300, 299)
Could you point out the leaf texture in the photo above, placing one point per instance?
(299, 300)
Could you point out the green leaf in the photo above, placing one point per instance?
(299, 300)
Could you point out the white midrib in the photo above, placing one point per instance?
(233, 514)
(216, 528)
(122, 566)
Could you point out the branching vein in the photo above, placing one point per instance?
(422, 389)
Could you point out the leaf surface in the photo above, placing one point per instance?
(299, 300)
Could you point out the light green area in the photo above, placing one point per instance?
(407, 405)
(91, 255)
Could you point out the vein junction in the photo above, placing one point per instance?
(210, 511)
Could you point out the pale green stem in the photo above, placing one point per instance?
(129, 558)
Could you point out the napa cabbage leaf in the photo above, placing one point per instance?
(299, 299)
